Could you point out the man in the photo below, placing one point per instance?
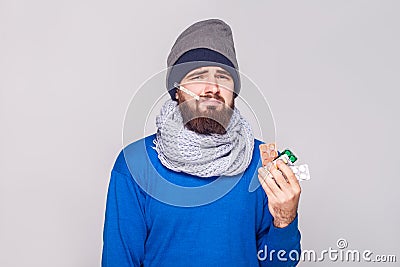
(202, 141)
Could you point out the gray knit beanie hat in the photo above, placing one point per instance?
(211, 35)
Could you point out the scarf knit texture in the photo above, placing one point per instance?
(203, 155)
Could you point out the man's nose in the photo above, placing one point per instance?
(211, 86)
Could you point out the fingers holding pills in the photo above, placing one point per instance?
(279, 178)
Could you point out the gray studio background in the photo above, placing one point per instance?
(68, 70)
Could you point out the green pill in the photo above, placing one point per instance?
(292, 158)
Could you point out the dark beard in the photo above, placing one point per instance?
(209, 121)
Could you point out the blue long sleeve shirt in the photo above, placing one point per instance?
(235, 230)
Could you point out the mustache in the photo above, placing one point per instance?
(216, 97)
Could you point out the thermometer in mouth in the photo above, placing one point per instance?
(180, 87)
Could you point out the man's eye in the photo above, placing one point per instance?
(223, 77)
(197, 77)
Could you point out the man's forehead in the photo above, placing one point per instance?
(208, 68)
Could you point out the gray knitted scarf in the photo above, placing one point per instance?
(183, 150)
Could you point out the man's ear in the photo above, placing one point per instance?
(176, 95)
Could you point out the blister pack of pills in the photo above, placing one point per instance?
(270, 156)
(301, 172)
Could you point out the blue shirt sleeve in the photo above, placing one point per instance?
(278, 246)
(124, 227)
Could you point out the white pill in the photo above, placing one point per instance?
(303, 176)
(302, 168)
